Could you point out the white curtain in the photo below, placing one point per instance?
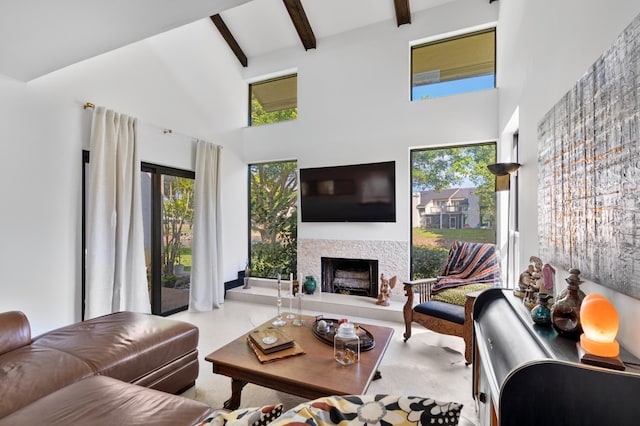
(207, 290)
(115, 267)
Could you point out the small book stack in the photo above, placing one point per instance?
(270, 344)
(270, 340)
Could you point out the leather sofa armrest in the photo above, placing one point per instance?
(15, 331)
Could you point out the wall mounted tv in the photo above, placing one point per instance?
(353, 193)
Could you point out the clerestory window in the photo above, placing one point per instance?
(459, 64)
(274, 100)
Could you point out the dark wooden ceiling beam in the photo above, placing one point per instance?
(300, 21)
(403, 12)
(228, 37)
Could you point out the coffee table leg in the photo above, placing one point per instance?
(233, 403)
(377, 375)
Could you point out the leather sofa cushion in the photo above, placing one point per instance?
(124, 345)
(15, 331)
(105, 401)
(29, 373)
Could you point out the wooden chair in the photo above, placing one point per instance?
(445, 303)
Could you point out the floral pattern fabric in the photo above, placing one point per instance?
(254, 416)
(370, 410)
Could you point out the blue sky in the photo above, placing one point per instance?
(454, 87)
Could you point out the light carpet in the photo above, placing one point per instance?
(428, 365)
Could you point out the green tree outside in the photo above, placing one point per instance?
(273, 190)
(177, 205)
(274, 218)
(260, 116)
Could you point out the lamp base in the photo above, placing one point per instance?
(614, 363)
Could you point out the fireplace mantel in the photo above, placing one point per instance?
(392, 256)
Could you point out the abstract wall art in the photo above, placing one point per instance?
(589, 171)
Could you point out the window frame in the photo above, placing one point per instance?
(250, 119)
(156, 230)
(450, 38)
(249, 210)
(426, 220)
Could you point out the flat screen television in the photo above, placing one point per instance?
(353, 193)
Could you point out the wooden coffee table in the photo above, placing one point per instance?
(311, 375)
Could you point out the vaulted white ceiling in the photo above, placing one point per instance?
(41, 36)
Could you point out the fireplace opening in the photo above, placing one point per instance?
(350, 276)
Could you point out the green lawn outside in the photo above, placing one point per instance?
(430, 247)
(444, 237)
(185, 258)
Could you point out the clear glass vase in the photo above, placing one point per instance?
(346, 344)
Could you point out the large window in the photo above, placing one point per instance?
(454, 65)
(167, 214)
(454, 199)
(274, 100)
(273, 218)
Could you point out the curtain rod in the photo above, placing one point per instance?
(90, 105)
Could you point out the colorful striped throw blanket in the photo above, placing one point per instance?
(469, 263)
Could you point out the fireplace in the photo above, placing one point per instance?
(349, 276)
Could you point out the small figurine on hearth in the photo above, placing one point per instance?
(247, 274)
(386, 285)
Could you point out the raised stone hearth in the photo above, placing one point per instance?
(392, 257)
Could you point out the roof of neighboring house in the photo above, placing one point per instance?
(457, 193)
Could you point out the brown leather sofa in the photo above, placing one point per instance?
(121, 368)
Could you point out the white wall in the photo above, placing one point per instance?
(353, 107)
(544, 47)
(166, 82)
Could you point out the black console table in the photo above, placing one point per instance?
(525, 374)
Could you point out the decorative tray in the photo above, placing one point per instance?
(367, 342)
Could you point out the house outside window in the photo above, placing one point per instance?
(274, 100)
(460, 64)
(453, 199)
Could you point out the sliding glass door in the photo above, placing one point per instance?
(167, 196)
(167, 210)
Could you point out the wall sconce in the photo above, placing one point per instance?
(503, 172)
(598, 345)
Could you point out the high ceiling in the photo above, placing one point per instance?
(41, 36)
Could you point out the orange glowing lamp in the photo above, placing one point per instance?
(600, 323)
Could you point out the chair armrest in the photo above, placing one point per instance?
(422, 287)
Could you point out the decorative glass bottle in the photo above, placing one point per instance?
(346, 344)
(541, 314)
(309, 284)
(565, 313)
